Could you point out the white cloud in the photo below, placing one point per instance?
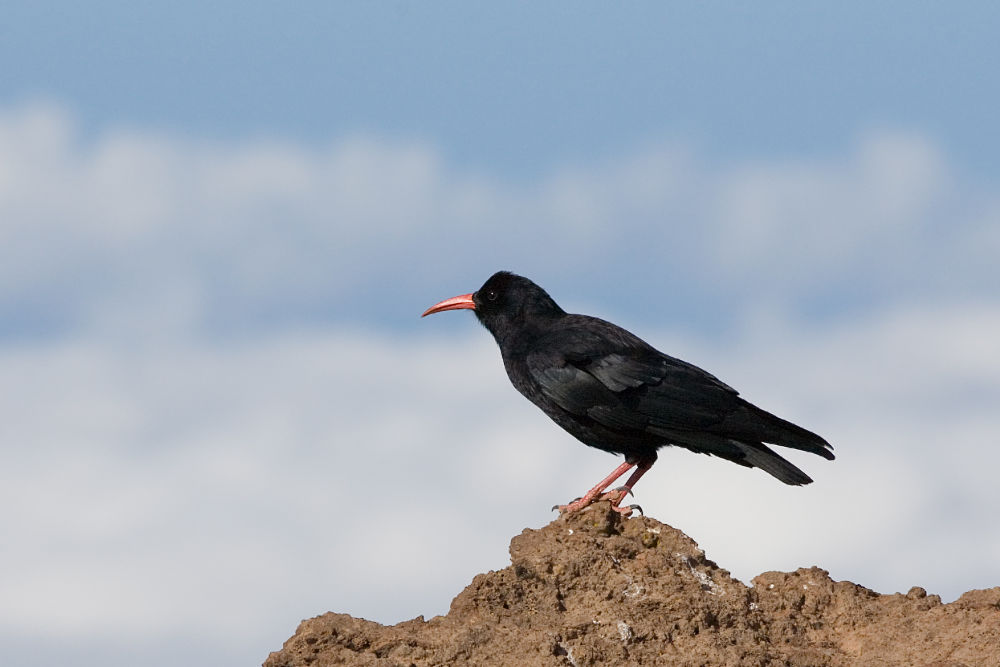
(203, 485)
(227, 490)
(233, 235)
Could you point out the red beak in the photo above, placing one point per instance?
(454, 303)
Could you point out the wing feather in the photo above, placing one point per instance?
(619, 381)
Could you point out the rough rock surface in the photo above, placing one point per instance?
(595, 589)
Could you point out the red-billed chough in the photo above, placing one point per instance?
(613, 391)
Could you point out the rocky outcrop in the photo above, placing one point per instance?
(595, 589)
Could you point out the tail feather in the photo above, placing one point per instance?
(761, 456)
(752, 423)
(749, 453)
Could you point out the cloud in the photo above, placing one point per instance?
(195, 491)
(128, 227)
(220, 416)
(142, 484)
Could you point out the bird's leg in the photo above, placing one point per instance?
(594, 494)
(616, 496)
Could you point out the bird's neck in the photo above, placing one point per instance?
(519, 336)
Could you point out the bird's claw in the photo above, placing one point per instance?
(563, 508)
(627, 510)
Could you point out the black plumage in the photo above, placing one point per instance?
(614, 391)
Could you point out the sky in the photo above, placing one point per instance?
(222, 413)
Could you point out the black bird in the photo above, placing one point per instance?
(613, 391)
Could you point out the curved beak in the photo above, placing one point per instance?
(454, 303)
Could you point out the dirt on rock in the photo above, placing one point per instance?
(595, 589)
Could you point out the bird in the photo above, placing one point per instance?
(613, 391)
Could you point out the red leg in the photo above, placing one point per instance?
(592, 495)
(615, 496)
(639, 472)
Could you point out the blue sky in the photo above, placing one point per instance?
(219, 225)
(518, 88)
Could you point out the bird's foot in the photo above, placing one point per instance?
(575, 506)
(614, 496)
(628, 509)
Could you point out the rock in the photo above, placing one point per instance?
(593, 588)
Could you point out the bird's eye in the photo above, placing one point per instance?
(491, 295)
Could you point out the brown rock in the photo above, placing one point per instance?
(595, 589)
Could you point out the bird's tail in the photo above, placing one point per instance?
(749, 453)
(753, 424)
(761, 456)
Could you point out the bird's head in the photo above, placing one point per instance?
(504, 303)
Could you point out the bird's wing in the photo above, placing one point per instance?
(619, 371)
(615, 378)
(686, 398)
(583, 395)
